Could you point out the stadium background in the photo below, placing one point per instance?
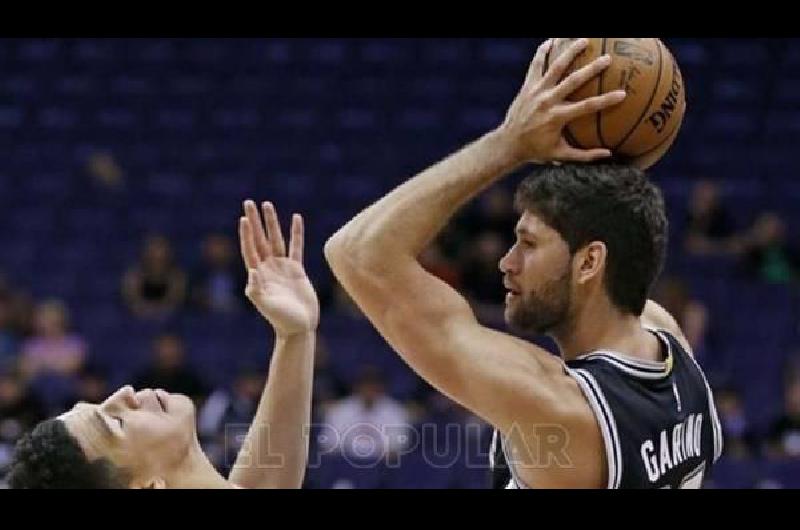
(109, 145)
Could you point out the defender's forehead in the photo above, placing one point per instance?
(86, 424)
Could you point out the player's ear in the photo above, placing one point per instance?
(590, 261)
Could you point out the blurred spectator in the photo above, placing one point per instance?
(92, 386)
(16, 322)
(738, 437)
(226, 415)
(327, 390)
(792, 367)
(170, 372)
(691, 314)
(443, 411)
(155, 287)
(482, 280)
(710, 230)
(20, 410)
(327, 387)
(103, 168)
(435, 262)
(344, 304)
(369, 423)
(22, 308)
(53, 349)
(8, 337)
(769, 257)
(495, 213)
(784, 439)
(218, 283)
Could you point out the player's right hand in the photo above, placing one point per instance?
(277, 282)
(534, 124)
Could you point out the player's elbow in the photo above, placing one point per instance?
(336, 252)
(346, 252)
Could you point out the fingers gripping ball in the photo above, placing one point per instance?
(641, 129)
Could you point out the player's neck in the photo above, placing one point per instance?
(603, 327)
(196, 472)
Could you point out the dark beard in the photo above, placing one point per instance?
(542, 312)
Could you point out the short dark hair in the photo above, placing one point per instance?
(612, 203)
(49, 457)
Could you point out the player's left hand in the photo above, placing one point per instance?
(277, 283)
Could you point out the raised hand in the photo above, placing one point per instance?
(536, 118)
(277, 283)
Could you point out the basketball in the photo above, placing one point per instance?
(641, 129)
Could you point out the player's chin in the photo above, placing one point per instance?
(510, 313)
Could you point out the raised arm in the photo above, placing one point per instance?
(432, 327)
(275, 451)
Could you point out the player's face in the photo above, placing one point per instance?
(537, 274)
(147, 433)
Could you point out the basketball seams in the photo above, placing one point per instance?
(635, 137)
(671, 136)
(678, 122)
(568, 133)
(649, 101)
(598, 116)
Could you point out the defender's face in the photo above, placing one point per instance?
(146, 433)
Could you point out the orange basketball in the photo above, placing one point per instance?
(641, 129)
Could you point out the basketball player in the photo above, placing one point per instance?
(626, 405)
(148, 439)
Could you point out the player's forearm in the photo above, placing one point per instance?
(404, 222)
(275, 451)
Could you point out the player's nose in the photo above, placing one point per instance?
(505, 264)
(124, 397)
